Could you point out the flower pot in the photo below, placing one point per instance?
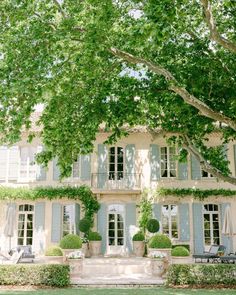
(165, 251)
(53, 259)
(157, 267)
(85, 250)
(66, 252)
(139, 248)
(76, 267)
(95, 248)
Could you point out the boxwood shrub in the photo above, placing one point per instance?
(202, 274)
(159, 241)
(71, 241)
(180, 251)
(139, 236)
(94, 236)
(53, 251)
(55, 275)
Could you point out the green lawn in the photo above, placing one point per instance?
(139, 291)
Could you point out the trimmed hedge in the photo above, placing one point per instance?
(159, 241)
(71, 241)
(94, 236)
(55, 275)
(180, 251)
(201, 274)
(182, 245)
(139, 236)
(54, 251)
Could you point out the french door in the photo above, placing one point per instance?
(115, 230)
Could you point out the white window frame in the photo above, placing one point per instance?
(211, 223)
(170, 220)
(121, 211)
(116, 162)
(25, 213)
(168, 162)
(72, 225)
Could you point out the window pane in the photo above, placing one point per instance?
(120, 242)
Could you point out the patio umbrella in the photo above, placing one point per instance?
(9, 226)
(227, 228)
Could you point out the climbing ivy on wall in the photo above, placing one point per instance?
(82, 193)
(195, 193)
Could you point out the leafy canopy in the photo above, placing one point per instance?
(169, 65)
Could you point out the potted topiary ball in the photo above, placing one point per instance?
(70, 243)
(139, 244)
(54, 255)
(95, 243)
(180, 255)
(84, 226)
(153, 225)
(160, 242)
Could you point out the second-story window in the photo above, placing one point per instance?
(168, 162)
(169, 221)
(68, 226)
(27, 165)
(116, 163)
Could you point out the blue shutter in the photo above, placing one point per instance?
(235, 159)
(226, 241)
(56, 170)
(40, 170)
(198, 231)
(130, 165)
(102, 165)
(157, 211)
(77, 217)
(39, 219)
(3, 162)
(155, 162)
(130, 224)
(102, 225)
(56, 229)
(195, 168)
(14, 158)
(184, 226)
(85, 167)
(182, 170)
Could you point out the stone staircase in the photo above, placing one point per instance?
(116, 272)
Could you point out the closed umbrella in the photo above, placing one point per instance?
(10, 222)
(227, 228)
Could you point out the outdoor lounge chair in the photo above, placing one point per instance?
(230, 258)
(211, 256)
(14, 259)
(27, 255)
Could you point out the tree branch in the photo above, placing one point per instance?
(214, 34)
(204, 164)
(204, 109)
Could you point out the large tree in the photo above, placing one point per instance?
(169, 65)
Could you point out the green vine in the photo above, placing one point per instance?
(82, 193)
(145, 209)
(195, 193)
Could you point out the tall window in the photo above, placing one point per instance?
(168, 162)
(27, 165)
(169, 221)
(211, 224)
(25, 224)
(68, 226)
(116, 163)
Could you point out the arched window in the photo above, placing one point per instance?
(211, 224)
(25, 224)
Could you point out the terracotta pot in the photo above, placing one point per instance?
(85, 250)
(139, 248)
(157, 267)
(95, 248)
(66, 252)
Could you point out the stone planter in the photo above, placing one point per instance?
(166, 251)
(139, 248)
(85, 250)
(95, 248)
(76, 267)
(157, 267)
(181, 260)
(53, 259)
(66, 252)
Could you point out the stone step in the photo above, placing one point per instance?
(97, 267)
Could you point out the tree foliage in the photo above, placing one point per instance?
(169, 65)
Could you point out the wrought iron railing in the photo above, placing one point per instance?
(116, 181)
